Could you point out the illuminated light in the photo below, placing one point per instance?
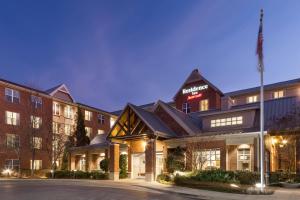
(102, 154)
(234, 185)
(123, 153)
(281, 145)
(274, 141)
(6, 172)
(284, 141)
(144, 144)
(258, 185)
(194, 89)
(194, 96)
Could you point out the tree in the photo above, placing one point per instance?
(80, 133)
(65, 158)
(123, 166)
(175, 160)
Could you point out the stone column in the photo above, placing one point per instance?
(129, 161)
(114, 152)
(87, 161)
(72, 161)
(165, 156)
(150, 158)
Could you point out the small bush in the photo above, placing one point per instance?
(246, 177)
(215, 176)
(104, 164)
(123, 166)
(164, 178)
(98, 175)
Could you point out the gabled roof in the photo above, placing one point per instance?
(60, 88)
(149, 118)
(188, 123)
(266, 87)
(194, 77)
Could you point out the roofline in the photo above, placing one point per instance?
(94, 108)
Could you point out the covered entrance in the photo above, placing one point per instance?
(143, 134)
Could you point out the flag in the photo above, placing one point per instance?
(259, 48)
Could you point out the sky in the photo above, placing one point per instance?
(111, 52)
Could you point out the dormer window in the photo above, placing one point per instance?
(252, 99)
(186, 108)
(278, 94)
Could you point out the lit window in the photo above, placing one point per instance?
(186, 108)
(252, 99)
(12, 118)
(87, 115)
(112, 122)
(203, 104)
(226, 121)
(36, 121)
(88, 131)
(36, 101)
(278, 94)
(37, 164)
(68, 129)
(244, 159)
(101, 119)
(69, 112)
(12, 141)
(12, 95)
(208, 159)
(12, 164)
(56, 127)
(37, 142)
(56, 108)
(100, 131)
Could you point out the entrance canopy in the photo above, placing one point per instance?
(135, 122)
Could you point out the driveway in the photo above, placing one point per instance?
(125, 189)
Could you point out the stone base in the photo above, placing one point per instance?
(129, 175)
(114, 176)
(149, 177)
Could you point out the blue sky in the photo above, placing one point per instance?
(112, 52)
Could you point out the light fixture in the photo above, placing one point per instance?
(274, 141)
(144, 143)
(234, 185)
(258, 185)
(284, 141)
(6, 172)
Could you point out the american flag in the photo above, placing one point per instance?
(259, 48)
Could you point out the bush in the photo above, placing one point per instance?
(164, 178)
(246, 177)
(104, 164)
(215, 176)
(98, 175)
(123, 166)
(78, 175)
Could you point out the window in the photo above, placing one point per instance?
(278, 94)
(88, 131)
(186, 108)
(12, 95)
(69, 112)
(203, 105)
(68, 129)
(12, 141)
(226, 121)
(37, 164)
(100, 131)
(36, 101)
(208, 159)
(87, 115)
(243, 158)
(252, 99)
(56, 127)
(37, 142)
(12, 164)
(112, 122)
(36, 121)
(12, 118)
(56, 108)
(101, 119)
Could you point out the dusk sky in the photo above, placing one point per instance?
(112, 52)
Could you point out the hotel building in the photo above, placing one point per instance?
(29, 118)
(220, 128)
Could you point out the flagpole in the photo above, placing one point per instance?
(261, 70)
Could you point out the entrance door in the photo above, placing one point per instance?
(159, 163)
(138, 165)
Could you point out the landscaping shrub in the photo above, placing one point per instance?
(164, 178)
(215, 176)
(104, 164)
(246, 177)
(123, 166)
(98, 175)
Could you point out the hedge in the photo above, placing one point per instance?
(65, 174)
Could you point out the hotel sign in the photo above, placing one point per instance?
(194, 90)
